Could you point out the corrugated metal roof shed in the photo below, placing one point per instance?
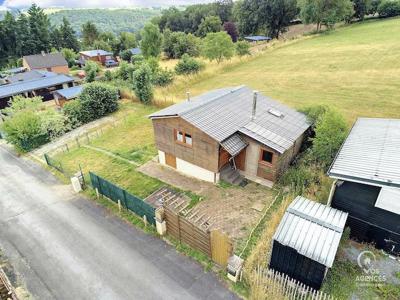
(312, 229)
(17, 88)
(371, 153)
(45, 60)
(93, 53)
(223, 112)
(257, 38)
(70, 93)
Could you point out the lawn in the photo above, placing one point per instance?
(355, 68)
(131, 139)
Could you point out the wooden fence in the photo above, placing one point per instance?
(214, 243)
(6, 289)
(280, 284)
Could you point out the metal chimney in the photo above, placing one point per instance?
(253, 113)
(188, 96)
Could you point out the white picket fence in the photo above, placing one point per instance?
(291, 289)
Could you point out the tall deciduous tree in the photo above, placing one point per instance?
(325, 12)
(151, 40)
(218, 46)
(90, 33)
(209, 24)
(230, 29)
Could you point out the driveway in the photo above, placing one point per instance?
(63, 246)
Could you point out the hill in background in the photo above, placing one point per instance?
(114, 20)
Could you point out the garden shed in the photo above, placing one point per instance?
(306, 241)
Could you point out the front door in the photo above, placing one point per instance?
(170, 160)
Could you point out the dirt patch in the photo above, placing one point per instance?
(233, 209)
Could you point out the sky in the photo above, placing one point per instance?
(93, 3)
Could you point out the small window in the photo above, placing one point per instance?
(182, 137)
(179, 136)
(188, 139)
(266, 156)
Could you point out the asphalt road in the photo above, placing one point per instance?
(63, 246)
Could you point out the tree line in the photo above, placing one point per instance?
(32, 33)
(270, 17)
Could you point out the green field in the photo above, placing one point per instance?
(355, 68)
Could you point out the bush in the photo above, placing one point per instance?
(91, 70)
(137, 60)
(24, 131)
(330, 133)
(73, 111)
(142, 83)
(125, 71)
(178, 43)
(389, 8)
(126, 55)
(242, 48)
(163, 77)
(314, 112)
(188, 65)
(108, 76)
(97, 100)
(153, 64)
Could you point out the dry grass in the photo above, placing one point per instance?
(259, 287)
(355, 69)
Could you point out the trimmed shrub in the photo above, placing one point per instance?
(142, 83)
(188, 65)
(97, 100)
(389, 8)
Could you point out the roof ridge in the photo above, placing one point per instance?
(213, 99)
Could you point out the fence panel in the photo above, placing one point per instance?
(53, 163)
(128, 201)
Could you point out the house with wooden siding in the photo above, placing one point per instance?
(229, 134)
(367, 182)
(51, 62)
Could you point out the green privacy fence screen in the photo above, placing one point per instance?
(129, 201)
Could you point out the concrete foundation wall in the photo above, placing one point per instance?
(161, 157)
(195, 171)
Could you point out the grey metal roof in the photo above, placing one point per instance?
(29, 75)
(93, 53)
(70, 93)
(234, 144)
(221, 113)
(16, 88)
(45, 60)
(135, 51)
(257, 38)
(312, 229)
(371, 153)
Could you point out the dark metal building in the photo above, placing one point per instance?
(367, 186)
(306, 241)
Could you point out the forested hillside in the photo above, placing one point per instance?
(114, 20)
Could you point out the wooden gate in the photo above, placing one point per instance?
(221, 247)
